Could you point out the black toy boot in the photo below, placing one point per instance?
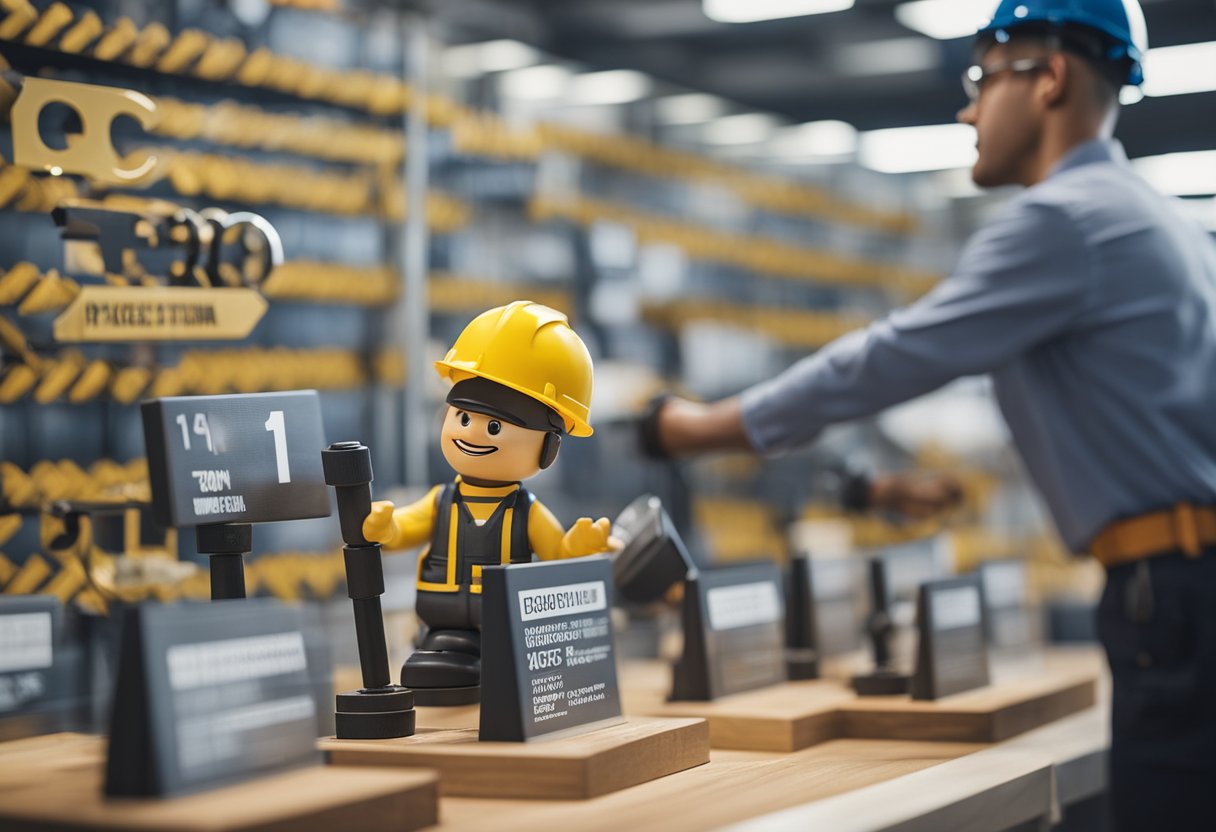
(445, 669)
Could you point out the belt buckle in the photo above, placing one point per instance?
(1186, 528)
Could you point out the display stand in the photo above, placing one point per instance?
(784, 717)
(54, 783)
(990, 714)
(562, 768)
(884, 679)
(379, 709)
(226, 545)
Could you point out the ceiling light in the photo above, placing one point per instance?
(616, 86)
(1180, 174)
(1177, 70)
(691, 108)
(745, 128)
(888, 57)
(942, 19)
(816, 141)
(535, 83)
(750, 11)
(911, 149)
(473, 59)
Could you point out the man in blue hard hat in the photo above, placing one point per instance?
(1091, 302)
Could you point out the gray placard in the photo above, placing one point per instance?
(952, 653)
(236, 459)
(548, 664)
(210, 694)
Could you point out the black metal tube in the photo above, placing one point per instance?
(227, 577)
(373, 651)
(880, 617)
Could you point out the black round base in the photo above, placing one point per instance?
(882, 683)
(375, 714)
(385, 725)
(447, 697)
(376, 700)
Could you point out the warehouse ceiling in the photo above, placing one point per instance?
(826, 66)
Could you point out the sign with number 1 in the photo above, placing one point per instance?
(251, 458)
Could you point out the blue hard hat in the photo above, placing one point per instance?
(1120, 20)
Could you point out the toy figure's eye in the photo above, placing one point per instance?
(464, 419)
(494, 427)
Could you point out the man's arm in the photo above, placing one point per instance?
(1020, 281)
(405, 527)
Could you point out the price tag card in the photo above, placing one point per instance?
(35, 695)
(952, 653)
(251, 458)
(548, 667)
(734, 621)
(209, 694)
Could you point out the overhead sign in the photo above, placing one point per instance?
(101, 314)
(547, 661)
(252, 458)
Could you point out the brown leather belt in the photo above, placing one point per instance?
(1184, 528)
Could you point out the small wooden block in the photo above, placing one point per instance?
(990, 714)
(785, 717)
(55, 783)
(565, 768)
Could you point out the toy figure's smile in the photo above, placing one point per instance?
(470, 449)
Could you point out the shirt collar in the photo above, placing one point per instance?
(1090, 152)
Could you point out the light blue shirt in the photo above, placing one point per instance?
(1091, 301)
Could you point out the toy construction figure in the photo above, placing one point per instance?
(522, 379)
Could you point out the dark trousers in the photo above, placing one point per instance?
(1157, 621)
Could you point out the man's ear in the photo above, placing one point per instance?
(1054, 80)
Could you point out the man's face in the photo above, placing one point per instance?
(1008, 119)
(485, 448)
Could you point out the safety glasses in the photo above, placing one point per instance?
(976, 76)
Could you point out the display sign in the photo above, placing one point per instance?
(952, 654)
(734, 620)
(548, 667)
(113, 314)
(209, 694)
(1009, 619)
(35, 693)
(235, 459)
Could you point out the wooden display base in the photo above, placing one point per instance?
(796, 715)
(567, 768)
(785, 717)
(55, 783)
(990, 714)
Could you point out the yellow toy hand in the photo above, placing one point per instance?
(587, 538)
(378, 526)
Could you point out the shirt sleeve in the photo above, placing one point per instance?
(1020, 281)
(415, 522)
(544, 532)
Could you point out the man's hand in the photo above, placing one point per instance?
(673, 427)
(919, 495)
(378, 526)
(588, 538)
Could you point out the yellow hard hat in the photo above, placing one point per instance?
(529, 348)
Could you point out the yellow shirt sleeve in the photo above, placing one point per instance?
(544, 532)
(415, 521)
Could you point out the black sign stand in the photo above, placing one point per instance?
(801, 638)
(226, 544)
(884, 680)
(379, 710)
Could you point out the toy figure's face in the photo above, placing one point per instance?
(485, 448)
